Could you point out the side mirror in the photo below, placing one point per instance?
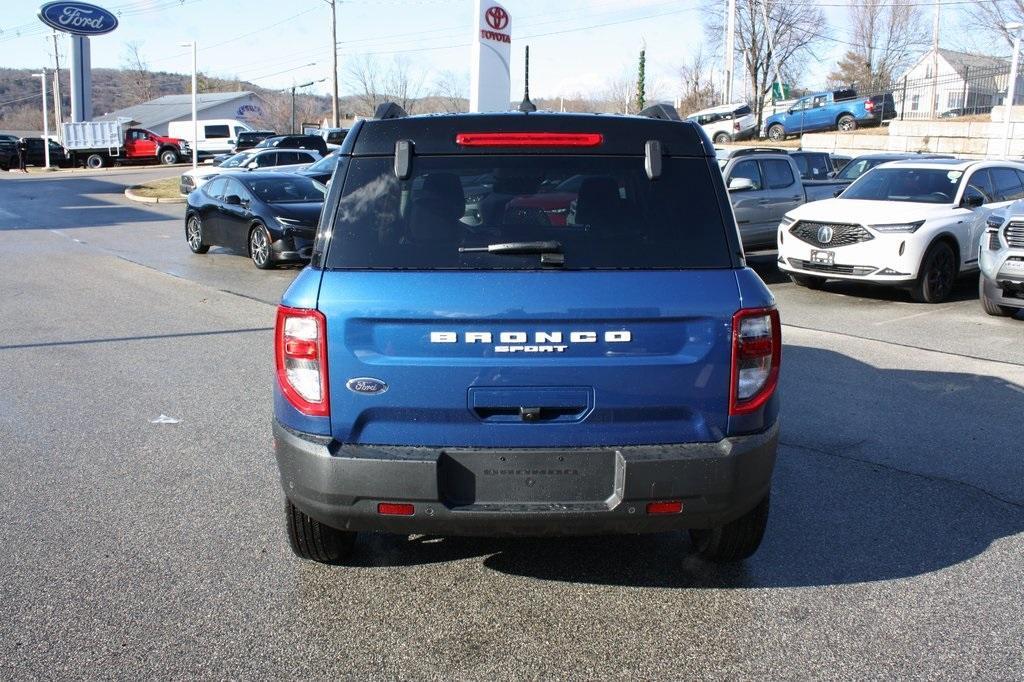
(233, 200)
(972, 201)
(741, 185)
(838, 192)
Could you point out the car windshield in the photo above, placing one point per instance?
(918, 185)
(325, 165)
(288, 189)
(595, 212)
(238, 160)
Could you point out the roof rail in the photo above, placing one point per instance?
(759, 150)
(386, 110)
(662, 112)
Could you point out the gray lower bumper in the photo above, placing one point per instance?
(1005, 291)
(555, 491)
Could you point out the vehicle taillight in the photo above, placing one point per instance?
(529, 139)
(736, 126)
(756, 353)
(300, 349)
(869, 105)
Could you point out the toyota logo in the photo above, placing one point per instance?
(497, 18)
(825, 234)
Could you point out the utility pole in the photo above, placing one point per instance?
(771, 54)
(933, 106)
(730, 48)
(46, 119)
(58, 114)
(195, 118)
(334, 63)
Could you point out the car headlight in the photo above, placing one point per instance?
(286, 222)
(995, 221)
(787, 220)
(897, 227)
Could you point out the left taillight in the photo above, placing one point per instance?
(300, 349)
(756, 354)
(869, 105)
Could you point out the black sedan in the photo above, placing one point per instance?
(322, 170)
(270, 216)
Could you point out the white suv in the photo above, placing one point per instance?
(911, 224)
(727, 123)
(1001, 258)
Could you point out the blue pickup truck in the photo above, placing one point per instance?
(835, 110)
(539, 358)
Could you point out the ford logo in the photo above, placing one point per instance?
(366, 385)
(79, 18)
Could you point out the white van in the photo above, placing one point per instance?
(216, 135)
(727, 123)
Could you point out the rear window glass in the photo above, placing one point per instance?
(603, 211)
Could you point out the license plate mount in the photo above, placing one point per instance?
(827, 258)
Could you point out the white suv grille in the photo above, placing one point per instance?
(1014, 233)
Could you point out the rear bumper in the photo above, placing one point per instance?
(461, 491)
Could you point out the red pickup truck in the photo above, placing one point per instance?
(95, 144)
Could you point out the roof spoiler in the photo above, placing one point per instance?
(387, 110)
(662, 112)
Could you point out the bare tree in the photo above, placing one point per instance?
(886, 36)
(277, 111)
(136, 79)
(399, 81)
(451, 91)
(987, 21)
(794, 28)
(697, 83)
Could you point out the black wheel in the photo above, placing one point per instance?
(937, 275)
(312, 540)
(722, 138)
(95, 161)
(259, 247)
(846, 123)
(776, 133)
(990, 306)
(194, 235)
(807, 281)
(168, 157)
(736, 540)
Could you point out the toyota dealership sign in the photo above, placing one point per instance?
(491, 51)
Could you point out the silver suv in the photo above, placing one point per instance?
(1001, 259)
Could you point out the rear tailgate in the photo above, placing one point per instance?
(623, 357)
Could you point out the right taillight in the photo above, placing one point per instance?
(300, 349)
(756, 354)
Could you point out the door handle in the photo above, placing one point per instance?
(763, 201)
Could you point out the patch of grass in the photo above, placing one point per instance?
(167, 188)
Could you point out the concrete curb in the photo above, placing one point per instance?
(151, 200)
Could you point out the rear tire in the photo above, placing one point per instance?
(937, 276)
(95, 161)
(722, 138)
(168, 157)
(990, 306)
(194, 235)
(846, 123)
(312, 540)
(737, 539)
(259, 247)
(776, 133)
(807, 281)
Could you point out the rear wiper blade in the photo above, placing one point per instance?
(515, 247)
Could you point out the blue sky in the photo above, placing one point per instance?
(576, 45)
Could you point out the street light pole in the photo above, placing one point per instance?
(294, 87)
(195, 117)
(334, 63)
(46, 119)
(1011, 88)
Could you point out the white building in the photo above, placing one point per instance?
(156, 114)
(951, 81)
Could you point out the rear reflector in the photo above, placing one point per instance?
(395, 509)
(756, 353)
(529, 139)
(666, 507)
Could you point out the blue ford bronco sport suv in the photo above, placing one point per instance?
(526, 324)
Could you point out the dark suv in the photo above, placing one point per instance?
(250, 138)
(314, 142)
(584, 351)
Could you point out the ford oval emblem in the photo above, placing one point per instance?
(79, 18)
(366, 385)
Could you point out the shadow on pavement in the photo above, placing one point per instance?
(883, 474)
(69, 203)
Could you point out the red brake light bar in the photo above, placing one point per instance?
(529, 139)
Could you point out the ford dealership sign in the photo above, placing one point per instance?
(79, 18)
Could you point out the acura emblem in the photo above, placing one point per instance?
(825, 234)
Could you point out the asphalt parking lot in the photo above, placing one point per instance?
(895, 546)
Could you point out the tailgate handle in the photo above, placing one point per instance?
(529, 405)
(529, 414)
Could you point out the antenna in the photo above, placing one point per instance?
(526, 106)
